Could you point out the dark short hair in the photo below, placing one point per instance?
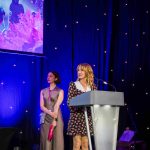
(56, 74)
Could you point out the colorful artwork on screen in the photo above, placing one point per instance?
(21, 25)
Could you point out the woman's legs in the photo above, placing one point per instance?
(84, 142)
(76, 142)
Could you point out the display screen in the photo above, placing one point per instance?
(21, 25)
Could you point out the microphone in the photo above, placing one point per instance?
(104, 82)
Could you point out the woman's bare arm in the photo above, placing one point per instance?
(59, 101)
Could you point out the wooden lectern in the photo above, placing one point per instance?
(105, 113)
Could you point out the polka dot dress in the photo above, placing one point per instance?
(77, 124)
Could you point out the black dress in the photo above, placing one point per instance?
(77, 124)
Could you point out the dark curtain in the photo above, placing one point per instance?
(111, 35)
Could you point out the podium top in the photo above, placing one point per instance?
(98, 98)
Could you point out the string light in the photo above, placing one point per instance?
(126, 62)
(143, 33)
(122, 80)
(14, 65)
(146, 93)
(137, 45)
(55, 48)
(77, 22)
(147, 11)
(132, 147)
(23, 82)
(10, 107)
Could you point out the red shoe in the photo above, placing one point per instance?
(51, 133)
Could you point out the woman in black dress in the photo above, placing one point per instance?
(77, 124)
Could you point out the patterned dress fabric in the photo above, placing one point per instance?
(57, 143)
(77, 124)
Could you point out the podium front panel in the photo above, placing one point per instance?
(105, 123)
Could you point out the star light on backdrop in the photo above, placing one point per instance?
(2, 83)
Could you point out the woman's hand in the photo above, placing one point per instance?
(52, 114)
(54, 123)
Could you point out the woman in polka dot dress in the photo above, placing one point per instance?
(77, 124)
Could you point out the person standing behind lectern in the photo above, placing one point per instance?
(77, 124)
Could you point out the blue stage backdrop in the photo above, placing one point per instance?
(111, 35)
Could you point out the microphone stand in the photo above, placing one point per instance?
(105, 82)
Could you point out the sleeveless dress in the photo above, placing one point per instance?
(77, 124)
(57, 143)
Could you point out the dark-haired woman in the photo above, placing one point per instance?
(51, 129)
